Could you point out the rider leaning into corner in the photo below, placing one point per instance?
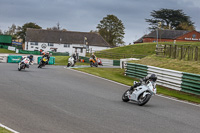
(74, 56)
(151, 77)
(30, 58)
(46, 54)
(93, 57)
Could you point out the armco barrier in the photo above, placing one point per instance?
(51, 60)
(135, 70)
(116, 62)
(167, 78)
(107, 62)
(176, 80)
(191, 83)
(14, 59)
(3, 58)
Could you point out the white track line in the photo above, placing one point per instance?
(1, 125)
(174, 99)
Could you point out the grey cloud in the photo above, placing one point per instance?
(84, 15)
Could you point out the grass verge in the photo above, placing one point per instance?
(3, 130)
(117, 74)
(6, 51)
(63, 60)
(168, 63)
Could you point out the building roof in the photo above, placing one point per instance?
(140, 40)
(65, 37)
(166, 34)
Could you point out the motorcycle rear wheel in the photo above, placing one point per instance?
(125, 97)
(143, 100)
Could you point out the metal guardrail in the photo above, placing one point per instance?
(135, 70)
(176, 80)
(166, 77)
(191, 83)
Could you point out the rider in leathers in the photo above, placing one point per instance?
(152, 77)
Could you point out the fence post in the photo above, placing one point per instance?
(188, 53)
(181, 52)
(170, 51)
(196, 53)
(175, 51)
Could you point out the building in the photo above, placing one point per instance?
(170, 36)
(64, 41)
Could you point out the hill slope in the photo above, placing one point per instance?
(135, 51)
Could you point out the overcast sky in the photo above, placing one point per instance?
(85, 15)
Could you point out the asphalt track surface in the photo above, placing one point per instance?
(58, 100)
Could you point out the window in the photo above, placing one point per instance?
(50, 44)
(32, 47)
(81, 50)
(34, 43)
(193, 36)
(36, 47)
(66, 45)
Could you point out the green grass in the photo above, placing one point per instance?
(6, 51)
(168, 63)
(63, 60)
(182, 43)
(117, 75)
(3, 130)
(136, 51)
(141, 49)
(144, 49)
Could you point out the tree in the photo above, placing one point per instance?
(170, 19)
(22, 30)
(12, 31)
(57, 27)
(112, 30)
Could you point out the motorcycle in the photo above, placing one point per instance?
(93, 62)
(140, 94)
(43, 62)
(71, 62)
(99, 62)
(24, 64)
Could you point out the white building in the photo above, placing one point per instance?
(64, 41)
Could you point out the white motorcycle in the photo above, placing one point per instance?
(71, 62)
(140, 94)
(24, 64)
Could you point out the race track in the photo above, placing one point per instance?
(58, 100)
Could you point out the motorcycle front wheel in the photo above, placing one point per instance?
(91, 64)
(68, 64)
(125, 96)
(143, 100)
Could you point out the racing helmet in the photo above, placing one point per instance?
(153, 77)
(31, 56)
